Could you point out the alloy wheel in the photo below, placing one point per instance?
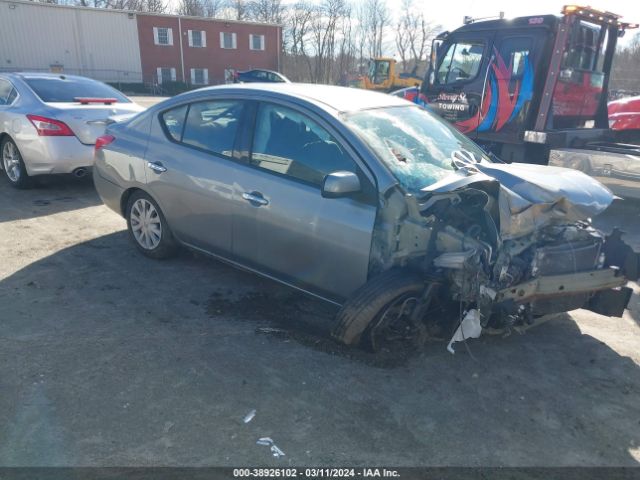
(145, 224)
(11, 161)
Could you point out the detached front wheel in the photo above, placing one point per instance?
(148, 229)
(383, 311)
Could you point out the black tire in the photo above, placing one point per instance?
(367, 302)
(23, 180)
(166, 246)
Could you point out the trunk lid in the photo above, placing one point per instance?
(88, 121)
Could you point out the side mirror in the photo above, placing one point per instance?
(340, 184)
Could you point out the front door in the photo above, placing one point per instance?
(283, 226)
(454, 90)
(511, 84)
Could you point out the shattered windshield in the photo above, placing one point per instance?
(417, 146)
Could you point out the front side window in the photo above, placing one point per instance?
(289, 143)
(418, 147)
(212, 125)
(228, 40)
(379, 71)
(461, 62)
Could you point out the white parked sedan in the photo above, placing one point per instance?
(49, 123)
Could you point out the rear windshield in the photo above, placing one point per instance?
(63, 89)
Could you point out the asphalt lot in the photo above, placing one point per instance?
(111, 359)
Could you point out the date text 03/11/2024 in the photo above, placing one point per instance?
(315, 473)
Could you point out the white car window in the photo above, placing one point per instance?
(7, 92)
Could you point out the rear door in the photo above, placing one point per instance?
(455, 89)
(283, 226)
(190, 170)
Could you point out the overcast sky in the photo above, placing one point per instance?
(450, 13)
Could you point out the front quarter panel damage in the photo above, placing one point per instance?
(509, 247)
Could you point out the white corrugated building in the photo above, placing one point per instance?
(36, 37)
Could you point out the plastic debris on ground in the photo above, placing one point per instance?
(249, 416)
(469, 328)
(267, 441)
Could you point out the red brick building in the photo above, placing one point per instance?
(202, 51)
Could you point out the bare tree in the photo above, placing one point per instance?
(191, 8)
(324, 33)
(413, 36)
(346, 60)
(268, 11)
(297, 61)
(213, 8)
(375, 22)
(404, 28)
(626, 65)
(237, 10)
(155, 6)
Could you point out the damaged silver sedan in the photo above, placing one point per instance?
(363, 200)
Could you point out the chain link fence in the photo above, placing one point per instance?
(128, 82)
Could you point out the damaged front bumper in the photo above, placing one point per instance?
(606, 293)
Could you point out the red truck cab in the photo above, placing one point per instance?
(521, 87)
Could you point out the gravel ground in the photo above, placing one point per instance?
(111, 359)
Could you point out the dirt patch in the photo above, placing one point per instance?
(298, 317)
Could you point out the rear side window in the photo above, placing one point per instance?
(66, 90)
(173, 121)
(212, 126)
(461, 63)
(7, 93)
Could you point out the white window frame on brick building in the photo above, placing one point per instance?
(159, 34)
(252, 42)
(165, 74)
(233, 44)
(197, 38)
(204, 76)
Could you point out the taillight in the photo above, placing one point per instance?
(48, 127)
(103, 141)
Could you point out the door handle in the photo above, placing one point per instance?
(156, 167)
(255, 198)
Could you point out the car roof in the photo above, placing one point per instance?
(339, 99)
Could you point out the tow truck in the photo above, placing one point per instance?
(534, 90)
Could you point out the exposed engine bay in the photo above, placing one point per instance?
(512, 242)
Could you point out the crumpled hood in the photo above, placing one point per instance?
(533, 196)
